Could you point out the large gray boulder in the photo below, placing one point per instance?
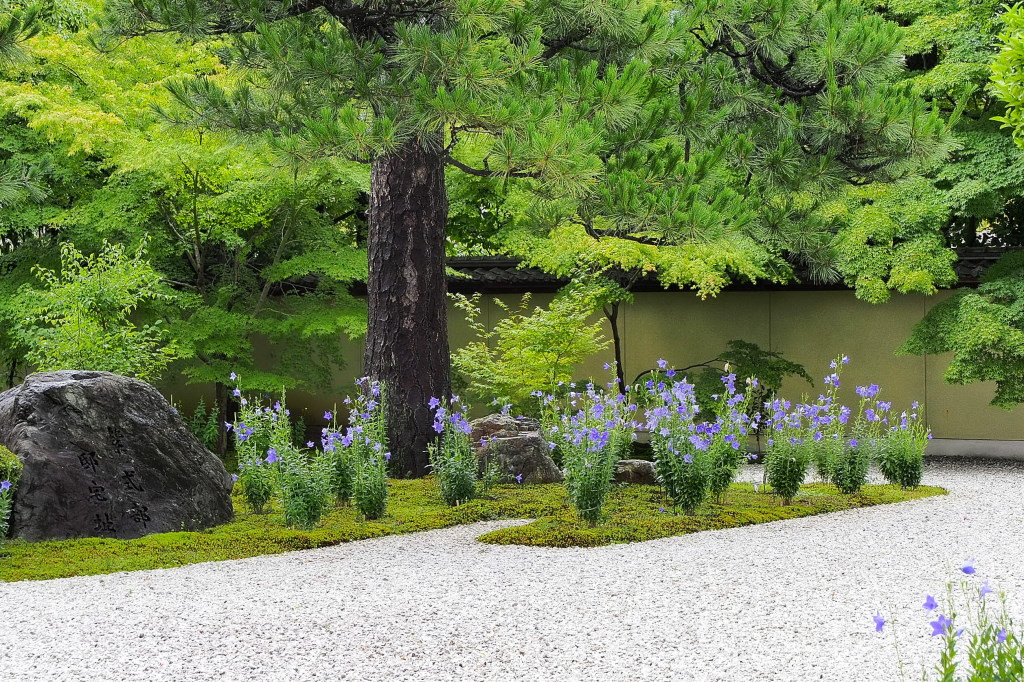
(521, 451)
(106, 456)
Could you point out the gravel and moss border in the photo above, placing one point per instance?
(633, 514)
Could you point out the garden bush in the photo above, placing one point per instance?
(452, 459)
(350, 466)
(590, 428)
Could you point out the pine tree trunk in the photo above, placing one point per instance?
(407, 336)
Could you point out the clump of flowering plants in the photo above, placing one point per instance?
(6, 500)
(304, 484)
(838, 460)
(591, 428)
(680, 446)
(728, 434)
(979, 640)
(788, 457)
(260, 433)
(366, 439)
(271, 466)
(10, 472)
(341, 467)
(452, 458)
(901, 453)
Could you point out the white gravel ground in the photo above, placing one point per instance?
(788, 601)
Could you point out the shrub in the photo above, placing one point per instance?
(529, 351)
(305, 486)
(82, 318)
(901, 451)
(367, 438)
(589, 427)
(452, 459)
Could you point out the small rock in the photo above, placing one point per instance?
(635, 471)
(522, 453)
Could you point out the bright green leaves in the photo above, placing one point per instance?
(1008, 73)
(984, 329)
(528, 350)
(79, 318)
(889, 240)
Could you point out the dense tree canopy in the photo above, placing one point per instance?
(252, 247)
(706, 141)
(269, 149)
(984, 187)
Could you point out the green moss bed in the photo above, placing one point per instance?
(633, 514)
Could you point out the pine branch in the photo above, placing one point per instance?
(487, 173)
(569, 41)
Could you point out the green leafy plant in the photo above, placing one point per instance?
(10, 473)
(528, 351)
(304, 483)
(80, 319)
(342, 469)
(589, 426)
(260, 434)
(367, 438)
(727, 449)
(984, 330)
(850, 466)
(452, 459)
(270, 466)
(204, 425)
(786, 466)
(901, 451)
(744, 359)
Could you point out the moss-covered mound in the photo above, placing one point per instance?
(633, 515)
(638, 513)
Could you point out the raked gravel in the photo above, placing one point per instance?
(788, 601)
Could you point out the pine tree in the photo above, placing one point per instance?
(653, 122)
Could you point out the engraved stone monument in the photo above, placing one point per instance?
(106, 456)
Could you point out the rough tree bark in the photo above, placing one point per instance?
(407, 333)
